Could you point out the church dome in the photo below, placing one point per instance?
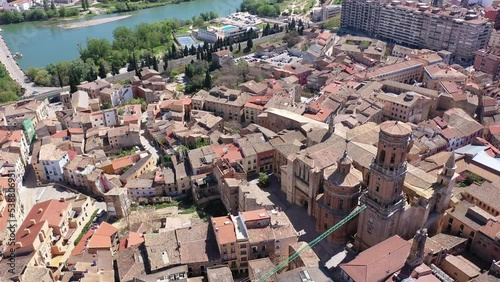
(395, 128)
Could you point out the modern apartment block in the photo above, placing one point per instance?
(419, 25)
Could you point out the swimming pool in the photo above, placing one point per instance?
(186, 40)
(227, 27)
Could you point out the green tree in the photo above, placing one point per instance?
(52, 5)
(333, 23)
(174, 50)
(84, 7)
(45, 5)
(96, 49)
(103, 70)
(207, 83)
(43, 78)
(263, 179)
(249, 43)
(155, 63)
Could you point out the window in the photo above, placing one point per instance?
(341, 204)
(255, 249)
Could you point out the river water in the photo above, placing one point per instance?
(42, 43)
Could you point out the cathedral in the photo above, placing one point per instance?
(399, 198)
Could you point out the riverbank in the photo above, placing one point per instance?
(92, 22)
(59, 44)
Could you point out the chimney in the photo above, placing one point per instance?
(40, 210)
(19, 245)
(32, 222)
(27, 231)
(62, 200)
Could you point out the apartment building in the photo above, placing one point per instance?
(458, 30)
(488, 61)
(124, 136)
(15, 142)
(486, 244)
(94, 88)
(53, 160)
(405, 72)
(145, 164)
(11, 163)
(15, 115)
(116, 95)
(464, 220)
(132, 115)
(46, 235)
(407, 107)
(223, 102)
(254, 107)
(77, 170)
(253, 235)
(437, 73)
(107, 118)
(325, 12)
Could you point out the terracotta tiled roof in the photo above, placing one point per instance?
(106, 229)
(80, 247)
(133, 239)
(60, 134)
(379, 261)
(224, 227)
(255, 215)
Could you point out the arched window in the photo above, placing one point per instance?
(382, 156)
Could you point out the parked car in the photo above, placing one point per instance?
(100, 212)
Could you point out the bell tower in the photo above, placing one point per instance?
(446, 179)
(384, 197)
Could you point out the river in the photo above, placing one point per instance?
(42, 43)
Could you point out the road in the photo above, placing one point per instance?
(51, 92)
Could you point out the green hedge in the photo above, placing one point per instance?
(85, 228)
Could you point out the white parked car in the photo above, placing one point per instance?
(100, 212)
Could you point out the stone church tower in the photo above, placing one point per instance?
(342, 189)
(384, 199)
(446, 180)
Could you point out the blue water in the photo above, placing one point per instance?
(185, 40)
(228, 27)
(42, 43)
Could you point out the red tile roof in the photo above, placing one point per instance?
(72, 155)
(494, 129)
(75, 130)
(233, 153)
(379, 261)
(132, 239)
(102, 236)
(224, 230)
(52, 211)
(80, 247)
(60, 134)
(255, 215)
(6, 136)
(319, 116)
(106, 229)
